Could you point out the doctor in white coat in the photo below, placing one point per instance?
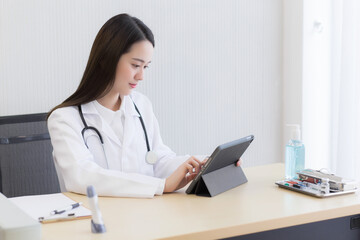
(105, 134)
(108, 148)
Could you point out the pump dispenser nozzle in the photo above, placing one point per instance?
(295, 131)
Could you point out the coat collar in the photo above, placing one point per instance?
(129, 107)
(93, 118)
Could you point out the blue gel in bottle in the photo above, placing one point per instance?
(294, 154)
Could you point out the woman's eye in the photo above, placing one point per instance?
(136, 66)
(145, 67)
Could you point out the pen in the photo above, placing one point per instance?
(60, 211)
(70, 216)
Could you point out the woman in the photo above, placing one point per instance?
(105, 134)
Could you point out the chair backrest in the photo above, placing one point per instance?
(26, 163)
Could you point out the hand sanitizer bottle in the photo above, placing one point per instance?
(294, 153)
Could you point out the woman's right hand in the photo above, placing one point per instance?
(183, 174)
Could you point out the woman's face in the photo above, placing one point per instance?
(131, 66)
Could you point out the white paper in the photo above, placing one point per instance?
(41, 205)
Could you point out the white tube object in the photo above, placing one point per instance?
(97, 223)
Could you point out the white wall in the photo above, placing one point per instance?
(216, 74)
(292, 66)
(308, 66)
(316, 97)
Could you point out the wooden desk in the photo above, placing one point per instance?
(256, 206)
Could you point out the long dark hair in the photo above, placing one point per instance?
(114, 39)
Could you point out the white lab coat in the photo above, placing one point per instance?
(128, 174)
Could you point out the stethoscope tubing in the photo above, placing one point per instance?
(149, 157)
(88, 128)
(144, 128)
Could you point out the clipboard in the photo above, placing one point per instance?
(39, 207)
(220, 173)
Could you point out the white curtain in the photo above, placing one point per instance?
(345, 105)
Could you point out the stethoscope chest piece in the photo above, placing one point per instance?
(151, 157)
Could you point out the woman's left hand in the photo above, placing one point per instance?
(239, 162)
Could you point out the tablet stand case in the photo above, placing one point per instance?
(219, 181)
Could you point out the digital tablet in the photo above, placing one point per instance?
(223, 156)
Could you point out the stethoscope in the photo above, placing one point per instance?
(150, 157)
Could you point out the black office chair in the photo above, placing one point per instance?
(26, 163)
